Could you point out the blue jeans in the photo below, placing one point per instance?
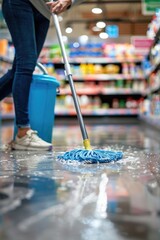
(28, 29)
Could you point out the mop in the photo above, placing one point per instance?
(87, 155)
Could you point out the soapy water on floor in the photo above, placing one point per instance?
(85, 207)
(76, 210)
(74, 200)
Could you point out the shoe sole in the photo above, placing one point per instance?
(27, 148)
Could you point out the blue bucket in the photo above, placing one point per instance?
(42, 101)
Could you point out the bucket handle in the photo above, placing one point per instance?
(42, 68)
(45, 72)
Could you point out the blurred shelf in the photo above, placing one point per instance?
(97, 91)
(99, 112)
(106, 77)
(86, 112)
(85, 91)
(94, 59)
(6, 59)
(121, 92)
(7, 116)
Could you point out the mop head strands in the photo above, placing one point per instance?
(91, 156)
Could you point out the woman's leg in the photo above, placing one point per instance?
(40, 23)
(20, 20)
(6, 81)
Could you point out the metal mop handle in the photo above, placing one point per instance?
(86, 141)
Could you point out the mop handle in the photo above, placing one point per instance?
(86, 141)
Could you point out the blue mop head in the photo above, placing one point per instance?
(91, 156)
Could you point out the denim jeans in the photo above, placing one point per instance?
(28, 29)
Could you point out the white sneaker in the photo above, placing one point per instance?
(30, 142)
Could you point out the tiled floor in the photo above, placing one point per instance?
(42, 198)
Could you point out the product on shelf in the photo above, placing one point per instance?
(155, 105)
(7, 106)
(112, 69)
(115, 103)
(87, 50)
(3, 47)
(120, 51)
(154, 81)
(151, 105)
(154, 25)
(155, 54)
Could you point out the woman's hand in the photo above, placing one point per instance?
(59, 6)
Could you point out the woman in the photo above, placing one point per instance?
(28, 23)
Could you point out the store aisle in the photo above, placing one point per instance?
(43, 199)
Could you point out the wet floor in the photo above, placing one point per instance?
(42, 198)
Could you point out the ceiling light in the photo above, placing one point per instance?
(100, 24)
(76, 45)
(103, 35)
(60, 18)
(65, 39)
(83, 39)
(69, 30)
(96, 10)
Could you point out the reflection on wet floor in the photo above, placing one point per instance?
(42, 198)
